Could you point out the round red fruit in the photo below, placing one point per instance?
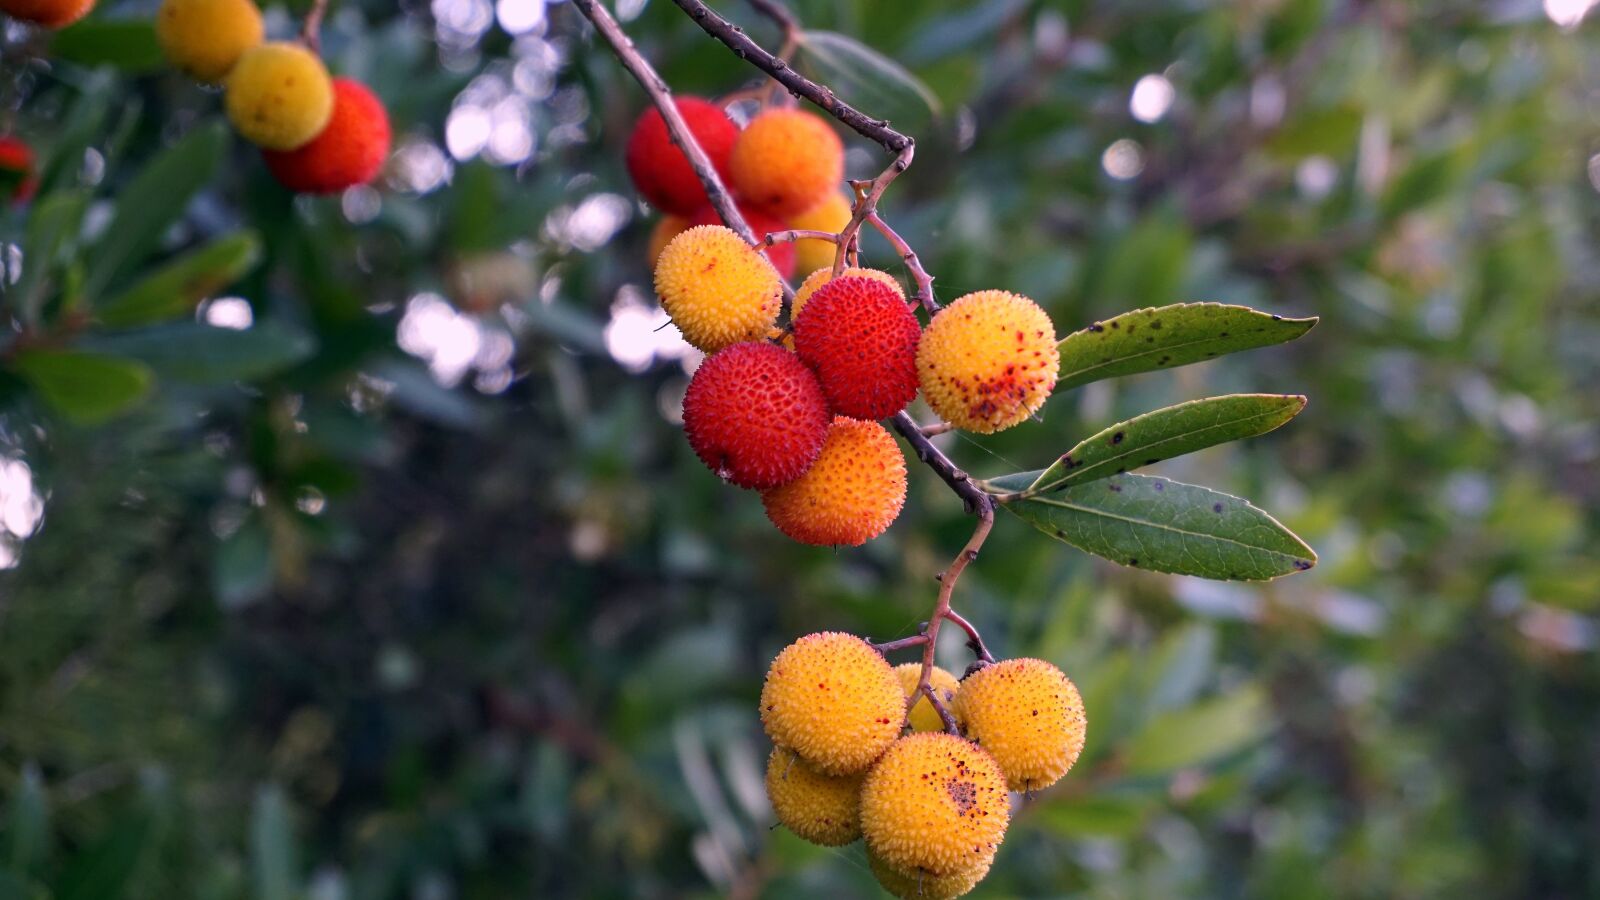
(860, 337)
(755, 415)
(349, 150)
(660, 170)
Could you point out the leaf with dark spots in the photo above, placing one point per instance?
(1189, 332)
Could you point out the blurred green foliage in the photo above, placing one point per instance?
(385, 597)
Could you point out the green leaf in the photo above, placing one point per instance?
(868, 78)
(28, 826)
(1180, 665)
(1163, 434)
(54, 222)
(1328, 131)
(1096, 815)
(127, 44)
(1166, 526)
(1162, 337)
(242, 569)
(174, 289)
(105, 870)
(152, 201)
(190, 351)
(86, 388)
(272, 846)
(1199, 734)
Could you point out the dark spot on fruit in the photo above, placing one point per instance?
(964, 793)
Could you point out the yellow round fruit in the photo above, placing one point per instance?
(920, 886)
(717, 290)
(923, 717)
(1029, 716)
(988, 361)
(662, 234)
(831, 215)
(786, 161)
(206, 37)
(832, 699)
(823, 809)
(279, 95)
(851, 494)
(934, 805)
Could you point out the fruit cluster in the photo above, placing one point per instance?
(793, 413)
(317, 134)
(933, 806)
(785, 170)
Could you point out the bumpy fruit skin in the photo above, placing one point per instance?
(206, 37)
(349, 151)
(716, 289)
(860, 337)
(850, 495)
(823, 809)
(666, 228)
(923, 716)
(920, 886)
(815, 281)
(832, 214)
(755, 415)
(988, 361)
(832, 699)
(1029, 716)
(49, 13)
(18, 175)
(780, 255)
(279, 95)
(660, 170)
(934, 805)
(786, 162)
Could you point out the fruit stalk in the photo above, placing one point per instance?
(311, 28)
(913, 262)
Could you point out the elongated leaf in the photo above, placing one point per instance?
(54, 222)
(84, 387)
(128, 44)
(1167, 526)
(153, 201)
(272, 846)
(28, 834)
(1148, 439)
(104, 870)
(868, 78)
(174, 289)
(190, 351)
(1200, 733)
(1167, 336)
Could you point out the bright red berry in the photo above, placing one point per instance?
(860, 337)
(660, 170)
(755, 415)
(349, 150)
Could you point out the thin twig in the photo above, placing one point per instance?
(941, 609)
(926, 688)
(733, 36)
(924, 294)
(936, 429)
(311, 28)
(661, 96)
(916, 640)
(974, 639)
(795, 234)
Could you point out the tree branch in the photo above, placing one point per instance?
(311, 28)
(661, 96)
(733, 36)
